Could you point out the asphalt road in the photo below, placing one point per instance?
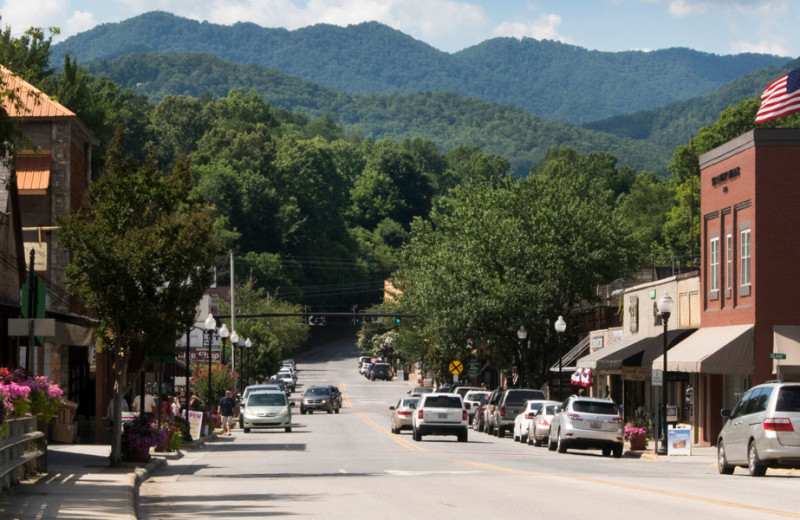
(350, 466)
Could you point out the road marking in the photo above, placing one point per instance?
(402, 473)
(396, 438)
(675, 494)
(345, 398)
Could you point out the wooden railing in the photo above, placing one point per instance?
(23, 452)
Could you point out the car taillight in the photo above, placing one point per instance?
(503, 411)
(573, 416)
(403, 413)
(419, 413)
(542, 422)
(617, 419)
(464, 415)
(777, 424)
(467, 406)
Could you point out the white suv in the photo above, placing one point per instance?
(440, 414)
(585, 423)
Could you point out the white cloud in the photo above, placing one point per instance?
(684, 8)
(543, 28)
(79, 21)
(22, 14)
(776, 46)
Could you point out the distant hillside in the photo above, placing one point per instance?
(550, 79)
(673, 124)
(447, 119)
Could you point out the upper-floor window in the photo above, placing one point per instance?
(713, 265)
(728, 262)
(745, 256)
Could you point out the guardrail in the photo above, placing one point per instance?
(23, 452)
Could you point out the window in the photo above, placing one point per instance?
(744, 247)
(713, 266)
(728, 263)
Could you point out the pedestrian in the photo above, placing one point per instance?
(176, 407)
(225, 410)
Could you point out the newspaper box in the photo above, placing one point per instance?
(679, 440)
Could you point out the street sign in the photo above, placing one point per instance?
(658, 378)
(456, 367)
(777, 355)
(474, 369)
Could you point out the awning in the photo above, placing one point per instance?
(713, 350)
(33, 172)
(786, 340)
(72, 334)
(632, 352)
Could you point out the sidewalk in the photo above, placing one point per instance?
(80, 484)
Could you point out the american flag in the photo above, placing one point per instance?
(781, 97)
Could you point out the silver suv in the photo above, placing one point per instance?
(763, 431)
(587, 422)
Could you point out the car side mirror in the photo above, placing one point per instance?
(725, 412)
(556, 410)
(391, 408)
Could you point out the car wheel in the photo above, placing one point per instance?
(288, 429)
(462, 436)
(417, 436)
(606, 452)
(302, 411)
(515, 437)
(617, 451)
(336, 410)
(722, 461)
(562, 444)
(536, 441)
(523, 439)
(550, 444)
(247, 430)
(330, 411)
(754, 466)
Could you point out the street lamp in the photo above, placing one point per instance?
(223, 336)
(664, 310)
(522, 334)
(560, 326)
(247, 345)
(210, 324)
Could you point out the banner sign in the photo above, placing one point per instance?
(195, 422)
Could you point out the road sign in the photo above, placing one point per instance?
(777, 355)
(474, 369)
(658, 377)
(456, 367)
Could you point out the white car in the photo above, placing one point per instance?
(440, 414)
(523, 420)
(267, 409)
(473, 400)
(587, 423)
(539, 428)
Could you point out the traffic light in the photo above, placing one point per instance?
(397, 320)
(356, 318)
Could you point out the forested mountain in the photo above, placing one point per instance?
(446, 119)
(550, 79)
(671, 125)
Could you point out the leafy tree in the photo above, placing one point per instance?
(142, 255)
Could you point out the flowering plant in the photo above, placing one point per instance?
(22, 393)
(141, 434)
(633, 431)
(45, 397)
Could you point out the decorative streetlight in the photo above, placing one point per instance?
(247, 345)
(560, 326)
(210, 324)
(522, 335)
(223, 336)
(664, 310)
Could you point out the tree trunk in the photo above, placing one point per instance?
(120, 378)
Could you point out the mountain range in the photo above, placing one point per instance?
(504, 94)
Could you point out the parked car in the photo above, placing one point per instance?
(523, 420)
(478, 416)
(362, 360)
(281, 384)
(762, 431)
(290, 371)
(472, 401)
(419, 390)
(267, 409)
(440, 414)
(587, 423)
(287, 379)
(401, 416)
(365, 368)
(381, 371)
(510, 404)
(289, 363)
(539, 428)
(488, 410)
(318, 398)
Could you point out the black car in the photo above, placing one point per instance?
(380, 371)
(319, 398)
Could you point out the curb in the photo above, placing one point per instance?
(140, 475)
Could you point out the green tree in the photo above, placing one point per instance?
(142, 255)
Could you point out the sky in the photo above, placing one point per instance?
(714, 26)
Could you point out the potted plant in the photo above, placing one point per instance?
(138, 436)
(638, 428)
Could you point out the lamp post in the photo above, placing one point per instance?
(522, 335)
(664, 310)
(247, 345)
(234, 339)
(560, 326)
(223, 336)
(210, 324)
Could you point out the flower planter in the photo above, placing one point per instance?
(638, 442)
(139, 454)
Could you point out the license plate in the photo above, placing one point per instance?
(595, 425)
(442, 416)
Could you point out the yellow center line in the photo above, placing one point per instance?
(396, 438)
(675, 494)
(345, 399)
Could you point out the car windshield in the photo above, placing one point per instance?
(550, 409)
(599, 407)
(318, 391)
(266, 399)
(443, 401)
(788, 399)
(520, 396)
(476, 396)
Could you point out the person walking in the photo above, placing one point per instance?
(225, 410)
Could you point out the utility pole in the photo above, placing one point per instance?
(233, 316)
